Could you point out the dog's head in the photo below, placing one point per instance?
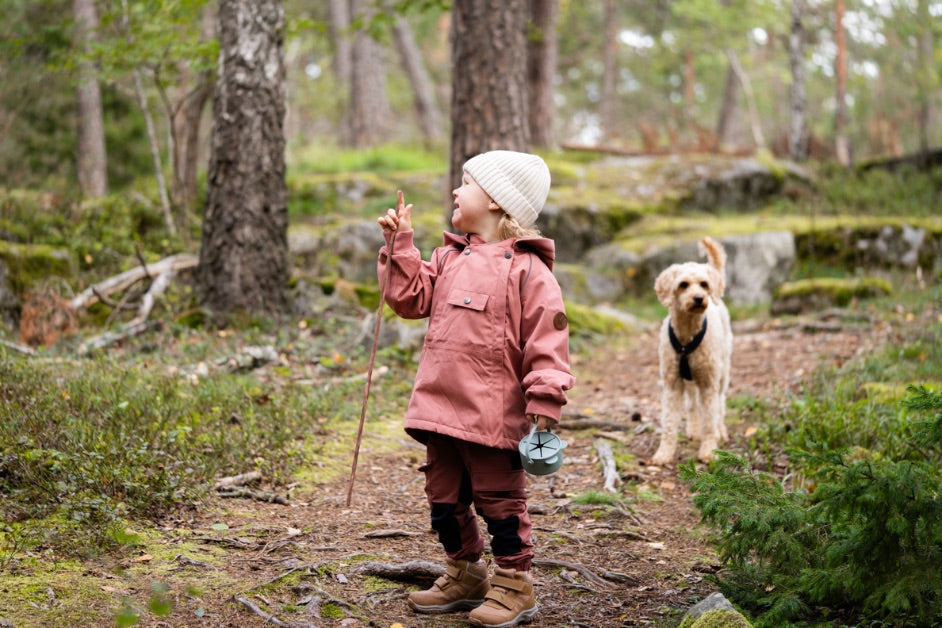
(689, 286)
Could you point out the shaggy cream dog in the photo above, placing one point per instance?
(695, 347)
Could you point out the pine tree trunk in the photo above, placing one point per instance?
(607, 100)
(91, 158)
(244, 254)
(339, 26)
(924, 82)
(797, 133)
(841, 143)
(728, 109)
(429, 114)
(489, 106)
(369, 103)
(543, 50)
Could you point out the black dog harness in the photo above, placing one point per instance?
(687, 349)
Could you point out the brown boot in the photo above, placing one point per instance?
(461, 588)
(509, 602)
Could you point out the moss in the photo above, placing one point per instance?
(718, 618)
(584, 319)
(31, 263)
(887, 393)
(837, 290)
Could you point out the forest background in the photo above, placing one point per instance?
(115, 147)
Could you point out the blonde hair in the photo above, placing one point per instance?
(509, 227)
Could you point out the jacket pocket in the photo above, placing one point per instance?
(465, 298)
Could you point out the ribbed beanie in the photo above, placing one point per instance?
(518, 182)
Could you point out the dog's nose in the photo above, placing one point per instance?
(698, 300)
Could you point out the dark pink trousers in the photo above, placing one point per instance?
(459, 474)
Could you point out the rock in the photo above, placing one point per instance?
(714, 611)
(894, 246)
(757, 264)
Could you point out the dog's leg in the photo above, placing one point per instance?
(710, 424)
(694, 413)
(672, 405)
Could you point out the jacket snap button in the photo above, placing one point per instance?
(467, 300)
(467, 251)
(508, 254)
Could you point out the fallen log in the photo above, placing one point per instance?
(609, 469)
(172, 264)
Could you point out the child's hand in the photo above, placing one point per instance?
(542, 422)
(399, 219)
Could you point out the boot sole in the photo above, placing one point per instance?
(522, 617)
(459, 605)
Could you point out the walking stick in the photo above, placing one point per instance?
(369, 372)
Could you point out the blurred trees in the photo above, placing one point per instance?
(632, 75)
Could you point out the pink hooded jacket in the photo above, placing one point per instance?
(497, 346)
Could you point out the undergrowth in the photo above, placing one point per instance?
(852, 534)
(83, 449)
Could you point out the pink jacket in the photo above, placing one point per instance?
(497, 346)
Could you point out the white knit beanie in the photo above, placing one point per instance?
(518, 182)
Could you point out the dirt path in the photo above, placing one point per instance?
(638, 563)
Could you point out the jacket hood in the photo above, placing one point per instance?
(545, 248)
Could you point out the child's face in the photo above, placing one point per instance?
(472, 205)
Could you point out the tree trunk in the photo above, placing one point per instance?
(369, 103)
(841, 143)
(489, 108)
(607, 102)
(925, 77)
(188, 121)
(244, 253)
(429, 114)
(754, 122)
(797, 130)
(543, 50)
(728, 109)
(91, 158)
(339, 29)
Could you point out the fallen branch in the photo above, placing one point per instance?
(251, 493)
(111, 337)
(268, 617)
(18, 347)
(609, 469)
(238, 480)
(578, 422)
(385, 534)
(109, 286)
(421, 570)
(603, 580)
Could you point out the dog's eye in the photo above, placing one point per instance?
(683, 285)
(704, 285)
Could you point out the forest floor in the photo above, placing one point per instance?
(641, 561)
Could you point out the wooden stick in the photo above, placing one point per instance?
(400, 205)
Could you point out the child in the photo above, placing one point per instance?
(495, 360)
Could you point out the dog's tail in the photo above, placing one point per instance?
(714, 252)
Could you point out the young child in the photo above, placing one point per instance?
(495, 360)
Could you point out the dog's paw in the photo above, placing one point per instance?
(705, 454)
(662, 458)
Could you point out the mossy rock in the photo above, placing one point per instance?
(806, 295)
(717, 619)
(890, 393)
(587, 320)
(28, 264)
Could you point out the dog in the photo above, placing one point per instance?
(695, 347)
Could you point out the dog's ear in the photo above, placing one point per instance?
(717, 283)
(664, 286)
